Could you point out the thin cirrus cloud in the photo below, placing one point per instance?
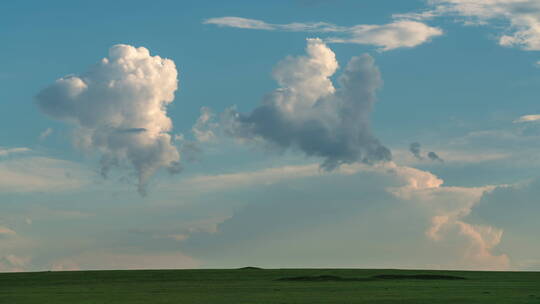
(398, 34)
(309, 114)
(521, 17)
(118, 109)
(41, 174)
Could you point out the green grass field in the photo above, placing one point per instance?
(261, 286)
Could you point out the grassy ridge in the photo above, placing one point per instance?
(257, 286)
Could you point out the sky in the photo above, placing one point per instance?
(305, 133)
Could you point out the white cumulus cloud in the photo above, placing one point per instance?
(309, 114)
(118, 109)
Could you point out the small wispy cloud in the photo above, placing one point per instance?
(203, 128)
(528, 118)
(6, 232)
(416, 149)
(43, 135)
(434, 157)
(398, 34)
(11, 151)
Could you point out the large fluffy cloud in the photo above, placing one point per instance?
(359, 215)
(308, 113)
(398, 34)
(118, 108)
(347, 215)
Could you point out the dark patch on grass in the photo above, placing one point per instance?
(321, 278)
(416, 277)
(332, 278)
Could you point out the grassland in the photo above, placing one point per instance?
(279, 286)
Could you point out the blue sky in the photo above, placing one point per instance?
(278, 134)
